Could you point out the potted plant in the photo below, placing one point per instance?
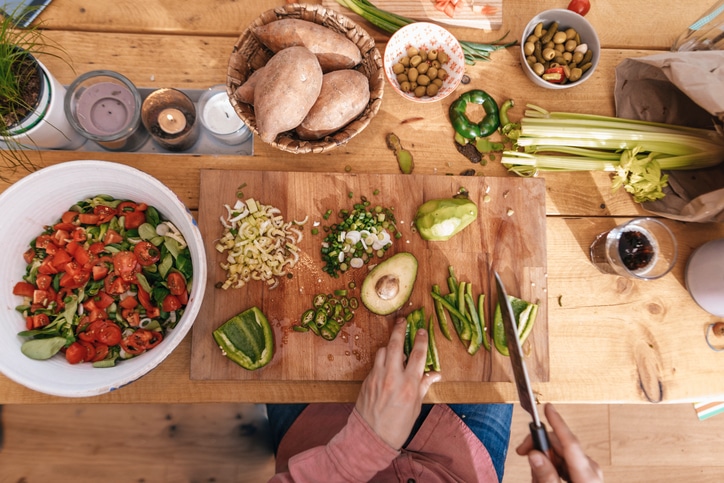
(31, 99)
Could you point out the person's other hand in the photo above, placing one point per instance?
(391, 396)
(580, 467)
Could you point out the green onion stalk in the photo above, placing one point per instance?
(391, 23)
(637, 152)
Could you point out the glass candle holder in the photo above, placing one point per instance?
(170, 116)
(642, 248)
(105, 107)
(219, 118)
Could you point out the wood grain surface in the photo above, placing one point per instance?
(424, 10)
(509, 236)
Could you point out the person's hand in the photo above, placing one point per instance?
(580, 467)
(391, 396)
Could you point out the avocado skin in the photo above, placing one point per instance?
(404, 266)
(433, 215)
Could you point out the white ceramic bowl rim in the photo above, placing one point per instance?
(566, 19)
(397, 47)
(38, 200)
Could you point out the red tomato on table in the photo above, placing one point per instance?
(581, 7)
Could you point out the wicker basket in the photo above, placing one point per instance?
(250, 54)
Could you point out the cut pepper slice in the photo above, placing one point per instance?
(524, 313)
(247, 339)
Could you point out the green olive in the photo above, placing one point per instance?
(528, 48)
(442, 74)
(571, 33)
(559, 37)
(538, 68)
(398, 68)
(405, 86)
(571, 45)
(437, 82)
(420, 91)
(442, 57)
(402, 78)
(432, 90)
(412, 74)
(432, 72)
(423, 80)
(415, 61)
(548, 54)
(412, 51)
(432, 55)
(575, 74)
(423, 67)
(577, 57)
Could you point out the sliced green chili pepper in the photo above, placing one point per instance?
(464, 126)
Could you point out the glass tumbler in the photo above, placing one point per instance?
(642, 248)
(707, 33)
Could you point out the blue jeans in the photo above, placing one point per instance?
(489, 422)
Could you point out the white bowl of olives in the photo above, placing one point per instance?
(559, 49)
(424, 62)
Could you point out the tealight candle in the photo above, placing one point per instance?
(219, 118)
(171, 121)
(170, 117)
(105, 107)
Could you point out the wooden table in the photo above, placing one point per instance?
(611, 339)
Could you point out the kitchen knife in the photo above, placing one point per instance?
(522, 381)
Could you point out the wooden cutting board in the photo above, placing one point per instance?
(425, 11)
(509, 237)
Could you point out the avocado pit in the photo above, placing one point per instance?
(387, 287)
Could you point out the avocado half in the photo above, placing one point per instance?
(389, 285)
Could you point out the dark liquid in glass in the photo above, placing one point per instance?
(635, 249)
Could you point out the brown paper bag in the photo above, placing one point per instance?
(684, 88)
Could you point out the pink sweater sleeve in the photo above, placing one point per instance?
(355, 454)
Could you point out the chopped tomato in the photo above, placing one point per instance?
(114, 285)
(140, 341)
(147, 253)
(176, 283)
(97, 248)
(42, 297)
(134, 219)
(46, 266)
(105, 213)
(100, 271)
(45, 242)
(63, 227)
(90, 350)
(112, 236)
(126, 266)
(151, 310)
(29, 255)
(74, 278)
(108, 333)
(82, 256)
(24, 289)
(101, 352)
(170, 303)
(89, 218)
(61, 237)
(43, 281)
(61, 259)
(76, 353)
(128, 303)
(102, 300)
(69, 217)
(78, 234)
(132, 317)
(36, 321)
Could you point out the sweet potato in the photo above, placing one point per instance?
(344, 95)
(245, 92)
(286, 90)
(334, 50)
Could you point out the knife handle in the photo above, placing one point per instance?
(542, 444)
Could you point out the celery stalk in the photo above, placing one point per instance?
(636, 151)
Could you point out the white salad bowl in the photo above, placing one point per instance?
(40, 199)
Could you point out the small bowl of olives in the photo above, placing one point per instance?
(559, 49)
(424, 62)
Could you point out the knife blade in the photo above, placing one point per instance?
(522, 381)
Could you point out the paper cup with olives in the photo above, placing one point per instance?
(424, 62)
(559, 49)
